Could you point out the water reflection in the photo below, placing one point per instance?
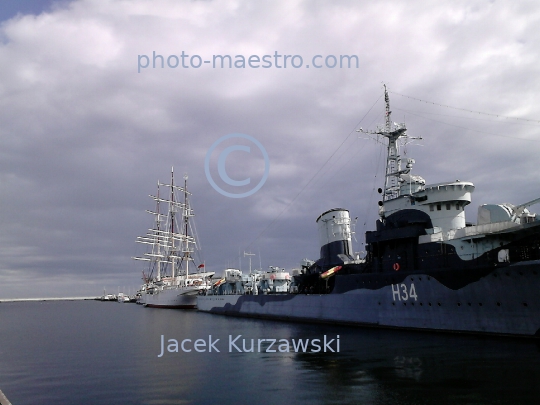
(400, 367)
(94, 352)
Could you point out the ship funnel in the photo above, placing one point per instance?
(335, 236)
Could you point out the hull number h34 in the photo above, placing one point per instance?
(400, 292)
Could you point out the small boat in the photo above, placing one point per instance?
(123, 297)
(108, 297)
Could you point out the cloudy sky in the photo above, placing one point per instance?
(88, 125)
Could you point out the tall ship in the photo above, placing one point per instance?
(171, 280)
(425, 267)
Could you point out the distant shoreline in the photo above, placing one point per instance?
(47, 299)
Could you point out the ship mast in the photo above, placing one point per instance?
(393, 159)
(186, 221)
(154, 237)
(392, 132)
(172, 210)
(158, 222)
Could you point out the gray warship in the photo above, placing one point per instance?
(425, 267)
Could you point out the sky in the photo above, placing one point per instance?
(97, 104)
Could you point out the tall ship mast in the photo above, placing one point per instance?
(168, 282)
(425, 267)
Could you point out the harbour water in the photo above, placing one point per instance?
(91, 352)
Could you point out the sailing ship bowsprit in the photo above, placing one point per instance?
(425, 267)
(168, 282)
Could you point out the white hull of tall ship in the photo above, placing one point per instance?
(173, 297)
(179, 293)
(141, 299)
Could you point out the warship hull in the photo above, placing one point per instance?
(501, 302)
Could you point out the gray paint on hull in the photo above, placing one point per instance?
(504, 302)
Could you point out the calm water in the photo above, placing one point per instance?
(91, 352)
